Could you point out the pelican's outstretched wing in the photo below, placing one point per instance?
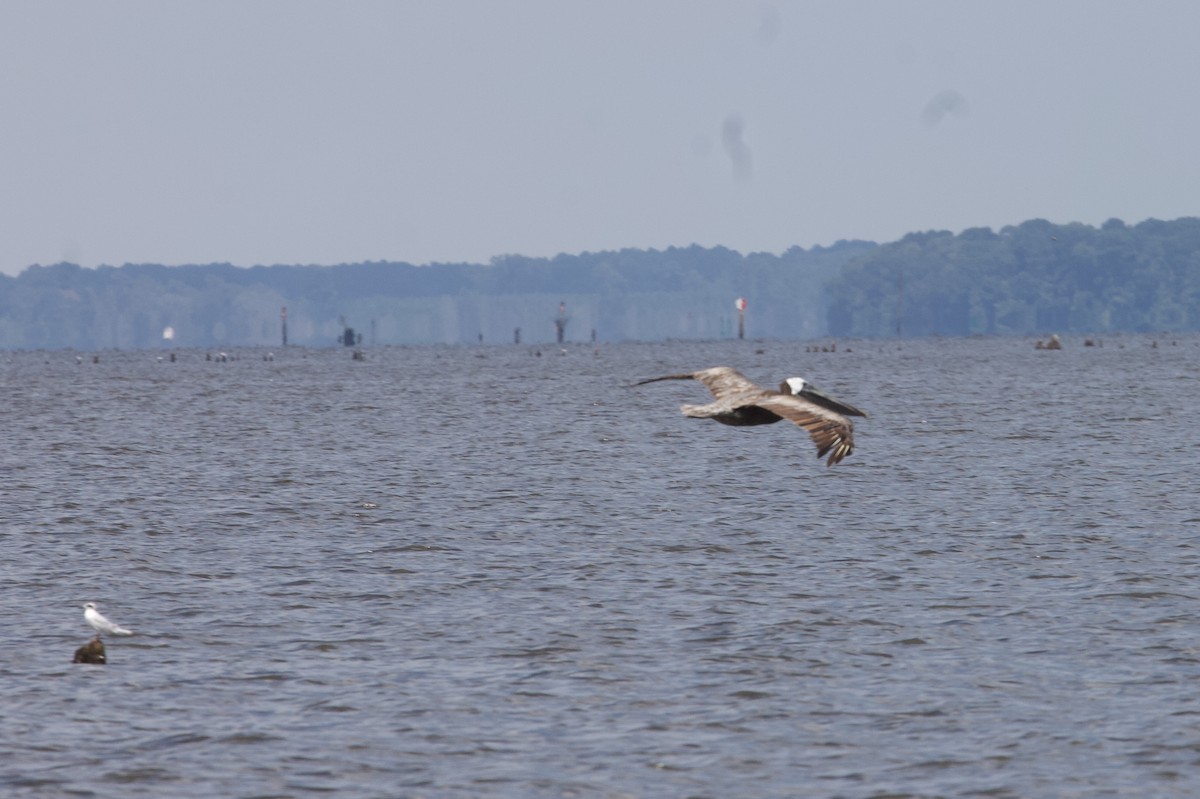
(723, 381)
(831, 432)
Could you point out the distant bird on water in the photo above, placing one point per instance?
(101, 624)
(740, 402)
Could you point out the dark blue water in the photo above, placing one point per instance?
(461, 572)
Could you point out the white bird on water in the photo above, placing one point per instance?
(99, 623)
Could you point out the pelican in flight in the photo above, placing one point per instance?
(740, 402)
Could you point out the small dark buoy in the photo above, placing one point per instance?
(91, 652)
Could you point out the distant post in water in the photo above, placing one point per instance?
(283, 319)
(740, 304)
(348, 338)
(560, 321)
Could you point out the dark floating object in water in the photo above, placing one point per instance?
(741, 402)
(91, 652)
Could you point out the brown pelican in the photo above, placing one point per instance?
(741, 402)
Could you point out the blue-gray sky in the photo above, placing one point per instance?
(293, 131)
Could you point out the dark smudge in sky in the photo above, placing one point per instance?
(735, 147)
(945, 103)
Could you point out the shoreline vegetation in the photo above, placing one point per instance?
(1034, 278)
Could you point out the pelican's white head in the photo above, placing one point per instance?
(795, 384)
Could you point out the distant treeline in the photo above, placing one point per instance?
(1033, 278)
(631, 294)
(1036, 277)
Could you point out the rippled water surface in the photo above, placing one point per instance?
(461, 572)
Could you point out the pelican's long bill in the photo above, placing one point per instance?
(826, 401)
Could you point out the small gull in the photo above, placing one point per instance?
(101, 624)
